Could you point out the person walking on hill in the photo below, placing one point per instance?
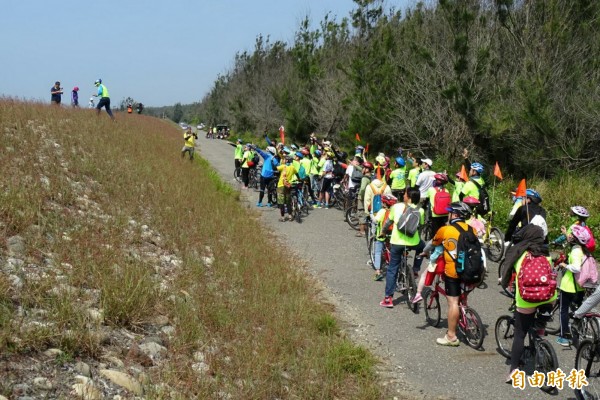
(104, 99)
(75, 97)
(190, 143)
(56, 93)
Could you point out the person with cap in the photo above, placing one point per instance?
(75, 97)
(267, 174)
(56, 93)
(104, 99)
(426, 177)
(326, 179)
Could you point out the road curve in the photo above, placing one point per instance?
(403, 340)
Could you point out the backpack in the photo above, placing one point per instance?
(302, 173)
(256, 159)
(536, 279)
(356, 175)
(408, 224)
(588, 274)
(484, 199)
(469, 256)
(441, 201)
(376, 203)
(338, 170)
(591, 244)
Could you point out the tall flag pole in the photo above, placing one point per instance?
(497, 174)
(282, 134)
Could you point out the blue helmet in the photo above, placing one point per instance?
(534, 195)
(299, 154)
(400, 161)
(477, 167)
(318, 153)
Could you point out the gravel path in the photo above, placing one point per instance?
(411, 359)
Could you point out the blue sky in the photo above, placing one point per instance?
(157, 52)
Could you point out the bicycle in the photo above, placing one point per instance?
(587, 358)
(405, 281)
(386, 254)
(426, 229)
(469, 323)
(537, 351)
(296, 211)
(237, 174)
(305, 196)
(492, 240)
(254, 177)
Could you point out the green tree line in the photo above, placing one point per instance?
(516, 81)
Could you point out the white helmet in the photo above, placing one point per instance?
(272, 150)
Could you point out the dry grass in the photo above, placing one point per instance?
(93, 198)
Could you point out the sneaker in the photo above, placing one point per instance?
(282, 219)
(317, 205)
(378, 277)
(387, 302)
(563, 341)
(417, 298)
(259, 204)
(447, 342)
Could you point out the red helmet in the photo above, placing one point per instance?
(75, 89)
(389, 200)
(441, 178)
(367, 165)
(304, 151)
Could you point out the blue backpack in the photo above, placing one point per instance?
(376, 204)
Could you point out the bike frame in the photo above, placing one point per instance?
(462, 299)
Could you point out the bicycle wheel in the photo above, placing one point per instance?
(426, 231)
(411, 289)
(297, 213)
(505, 334)
(495, 245)
(352, 217)
(587, 328)
(587, 358)
(433, 313)
(471, 327)
(553, 324)
(545, 361)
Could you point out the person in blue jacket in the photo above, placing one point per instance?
(267, 174)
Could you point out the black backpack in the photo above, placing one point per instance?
(484, 200)
(469, 260)
(256, 159)
(338, 170)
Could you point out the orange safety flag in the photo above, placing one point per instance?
(521, 189)
(357, 138)
(463, 173)
(497, 171)
(282, 134)
(367, 148)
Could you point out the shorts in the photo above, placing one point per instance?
(188, 149)
(327, 184)
(452, 286)
(284, 195)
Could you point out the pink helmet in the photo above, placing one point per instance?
(581, 211)
(581, 234)
(75, 89)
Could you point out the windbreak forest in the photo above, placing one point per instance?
(515, 81)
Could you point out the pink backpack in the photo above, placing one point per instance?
(591, 245)
(588, 274)
(536, 279)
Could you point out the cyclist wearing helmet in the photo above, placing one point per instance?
(104, 99)
(398, 178)
(530, 212)
(475, 221)
(579, 216)
(267, 173)
(238, 154)
(570, 291)
(287, 174)
(401, 242)
(471, 187)
(359, 151)
(447, 236)
(75, 97)
(387, 201)
(314, 175)
(439, 200)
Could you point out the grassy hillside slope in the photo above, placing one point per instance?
(143, 275)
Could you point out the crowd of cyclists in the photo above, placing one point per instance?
(398, 196)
